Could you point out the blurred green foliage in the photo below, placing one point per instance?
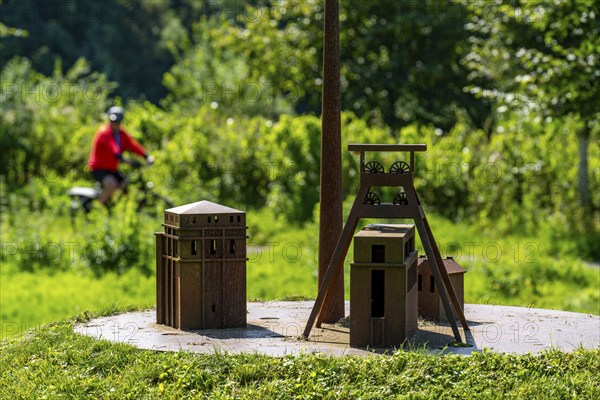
(400, 60)
(123, 39)
(516, 180)
(239, 72)
(46, 122)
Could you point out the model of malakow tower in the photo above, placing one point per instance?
(201, 267)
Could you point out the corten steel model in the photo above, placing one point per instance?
(201, 267)
(330, 209)
(429, 298)
(405, 205)
(383, 286)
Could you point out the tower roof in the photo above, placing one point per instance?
(385, 230)
(203, 207)
(451, 266)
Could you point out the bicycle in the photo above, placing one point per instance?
(82, 198)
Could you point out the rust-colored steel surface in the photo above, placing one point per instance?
(201, 267)
(383, 292)
(430, 306)
(330, 212)
(160, 279)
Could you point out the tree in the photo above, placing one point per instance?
(541, 57)
(401, 62)
(121, 39)
(255, 60)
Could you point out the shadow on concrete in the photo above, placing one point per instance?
(431, 338)
(248, 332)
(447, 324)
(471, 340)
(439, 335)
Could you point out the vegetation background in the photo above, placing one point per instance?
(226, 96)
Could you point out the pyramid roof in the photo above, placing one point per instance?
(203, 207)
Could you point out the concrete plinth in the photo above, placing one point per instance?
(275, 328)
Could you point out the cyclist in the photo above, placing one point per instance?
(110, 142)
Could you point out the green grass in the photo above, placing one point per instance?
(282, 264)
(53, 362)
(31, 299)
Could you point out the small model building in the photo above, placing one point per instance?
(430, 306)
(201, 267)
(383, 290)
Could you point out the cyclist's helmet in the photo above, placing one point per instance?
(116, 114)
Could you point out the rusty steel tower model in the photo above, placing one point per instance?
(405, 205)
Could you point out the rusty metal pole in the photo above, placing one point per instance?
(330, 215)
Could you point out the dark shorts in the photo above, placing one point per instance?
(100, 174)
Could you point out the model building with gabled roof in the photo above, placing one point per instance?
(430, 306)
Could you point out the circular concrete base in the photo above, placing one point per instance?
(275, 328)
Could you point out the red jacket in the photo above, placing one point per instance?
(105, 151)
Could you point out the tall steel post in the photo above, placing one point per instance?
(330, 215)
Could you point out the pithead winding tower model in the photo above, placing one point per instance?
(405, 205)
